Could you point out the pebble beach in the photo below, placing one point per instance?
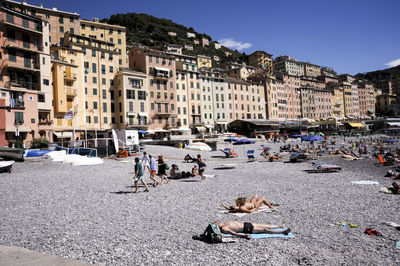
(90, 213)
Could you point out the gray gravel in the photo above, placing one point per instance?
(74, 212)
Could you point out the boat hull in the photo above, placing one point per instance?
(12, 154)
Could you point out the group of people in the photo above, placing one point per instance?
(160, 167)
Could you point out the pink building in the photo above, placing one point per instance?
(3, 141)
(293, 97)
(21, 82)
(160, 70)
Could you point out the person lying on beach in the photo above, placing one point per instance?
(395, 189)
(249, 207)
(174, 172)
(188, 158)
(244, 229)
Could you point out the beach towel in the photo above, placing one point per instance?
(260, 236)
(209, 175)
(241, 214)
(365, 182)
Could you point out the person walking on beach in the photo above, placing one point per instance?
(145, 162)
(162, 169)
(202, 166)
(153, 170)
(139, 175)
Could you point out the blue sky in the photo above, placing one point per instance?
(350, 36)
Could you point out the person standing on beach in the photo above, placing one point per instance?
(153, 170)
(162, 169)
(139, 175)
(202, 166)
(145, 162)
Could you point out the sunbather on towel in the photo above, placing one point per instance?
(244, 229)
(249, 207)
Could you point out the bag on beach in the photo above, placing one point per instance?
(212, 234)
(166, 166)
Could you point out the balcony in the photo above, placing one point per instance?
(71, 92)
(25, 47)
(23, 85)
(17, 103)
(70, 76)
(45, 122)
(17, 22)
(165, 113)
(21, 63)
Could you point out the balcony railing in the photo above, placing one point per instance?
(45, 122)
(21, 63)
(17, 103)
(71, 92)
(23, 84)
(8, 18)
(70, 76)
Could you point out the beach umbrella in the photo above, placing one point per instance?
(312, 138)
(198, 146)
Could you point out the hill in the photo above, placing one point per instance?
(153, 32)
(385, 74)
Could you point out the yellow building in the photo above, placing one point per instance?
(263, 60)
(338, 107)
(100, 64)
(311, 70)
(348, 99)
(107, 33)
(68, 93)
(204, 61)
(132, 101)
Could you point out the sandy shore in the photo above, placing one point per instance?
(89, 213)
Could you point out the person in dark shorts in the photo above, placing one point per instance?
(139, 175)
(244, 229)
(202, 166)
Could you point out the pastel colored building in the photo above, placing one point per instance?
(263, 60)
(204, 61)
(132, 102)
(108, 33)
(288, 66)
(311, 70)
(25, 76)
(292, 91)
(386, 105)
(217, 45)
(328, 72)
(366, 99)
(239, 71)
(160, 70)
(205, 41)
(60, 21)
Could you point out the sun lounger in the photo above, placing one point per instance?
(228, 153)
(250, 155)
(325, 168)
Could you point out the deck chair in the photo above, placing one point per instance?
(383, 161)
(227, 153)
(250, 155)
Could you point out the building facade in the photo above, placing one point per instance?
(263, 60)
(108, 33)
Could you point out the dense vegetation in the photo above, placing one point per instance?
(384, 74)
(153, 32)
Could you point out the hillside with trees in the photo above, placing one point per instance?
(153, 32)
(385, 74)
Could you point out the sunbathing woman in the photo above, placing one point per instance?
(249, 207)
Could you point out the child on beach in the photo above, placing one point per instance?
(139, 175)
(145, 162)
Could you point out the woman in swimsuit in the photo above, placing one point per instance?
(249, 207)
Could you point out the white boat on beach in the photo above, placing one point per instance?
(5, 166)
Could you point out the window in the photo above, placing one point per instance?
(103, 55)
(61, 29)
(88, 119)
(93, 53)
(105, 120)
(96, 119)
(12, 56)
(111, 69)
(103, 69)
(142, 107)
(111, 31)
(130, 94)
(71, 30)
(94, 91)
(184, 111)
(171, 84)
(92, 28)
(119, 41)
(103, 81)
(46, 82)
(141, 95)
(61, 20)
(152, 94)
(9, 18)
(41, 98)
(104, 92)
(94, 79)
(150, 58)
(104, 107)
(95, 105)
(86, 91)
(94, 66)
(19, 118)
(11, 35)
(112, 109)
(152, 106)
(179, 110)
(112, 95)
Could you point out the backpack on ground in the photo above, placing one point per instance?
(212, 234)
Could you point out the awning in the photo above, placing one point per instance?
(20, 129)
(162, 69)
(143, 114)
(63, 135)
(209, 126)
(356, 124)
(394, 124)
(183, 129)
(200, 128)
(156, 130)
(222, 123)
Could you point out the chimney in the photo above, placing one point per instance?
(41, 5)
(54, 8)
(95, 19)
(24, 2)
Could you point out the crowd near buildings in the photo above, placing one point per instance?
(53, 62)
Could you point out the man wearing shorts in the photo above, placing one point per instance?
(153, 170)
(244, 229)
(139, 175)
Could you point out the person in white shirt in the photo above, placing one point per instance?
(146, 162)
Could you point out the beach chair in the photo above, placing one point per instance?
(250, 155)
(383, 161)
(326, 168)
(228, 154)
